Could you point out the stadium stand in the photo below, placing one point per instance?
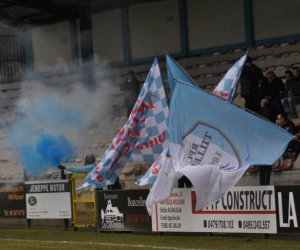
(207, 70)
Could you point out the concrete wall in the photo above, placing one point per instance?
(51, 47)
(143, 31)
(107, 36)
(213, 23)
(275, 18)
(154, 29)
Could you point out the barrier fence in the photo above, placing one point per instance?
(83, 204)
(243, 209)
(12, 58)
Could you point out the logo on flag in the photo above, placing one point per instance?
(205, 144)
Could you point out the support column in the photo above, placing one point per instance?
(27, 48)
(183, 22)
(249, 23)
(86, 44)
(126, 36)
(74, 42)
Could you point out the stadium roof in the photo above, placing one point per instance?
(42, 12)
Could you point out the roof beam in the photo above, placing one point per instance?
(101, 5)
(46, 20)
(46, 6)
(10, 20)
(4, 6)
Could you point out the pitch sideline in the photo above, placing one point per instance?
(105, 244)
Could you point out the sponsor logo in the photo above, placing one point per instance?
(32, 201)
(111, 217)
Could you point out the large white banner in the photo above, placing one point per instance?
(247, 209)
(48, 200)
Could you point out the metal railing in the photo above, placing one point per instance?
(12, 58)
(83, 204)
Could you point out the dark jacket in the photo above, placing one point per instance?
(249, 80)
(292, 85)
(132, 90)
(274, 88)
(289, 126)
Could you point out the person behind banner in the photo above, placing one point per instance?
(266, 110)
(274, 91)
(89, 165)
(293, 149)
(291, 152)
(269, 113)
(296, 73)
(131, 88)
(291, 95)
(251, 78)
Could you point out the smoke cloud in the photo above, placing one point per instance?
(52, 114)
(53, 119)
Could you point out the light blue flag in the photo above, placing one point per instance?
(228, 85)
(226, 89)
(148, 114)
(175, 71)
(213, 142)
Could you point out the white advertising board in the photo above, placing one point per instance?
(247, 209)
(48, 199)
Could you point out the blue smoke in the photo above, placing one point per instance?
(47, 151)
(40, 137)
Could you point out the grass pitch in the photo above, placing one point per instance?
(41, 239)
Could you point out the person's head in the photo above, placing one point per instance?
(130, 74)
(89, 159)
(270, 76)
(296, 71)
(288, 75)
(281, 118)
(248, 61)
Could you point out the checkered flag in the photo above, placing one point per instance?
(151, 175)
(153, 137)
(227, 86)
(144, 133)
